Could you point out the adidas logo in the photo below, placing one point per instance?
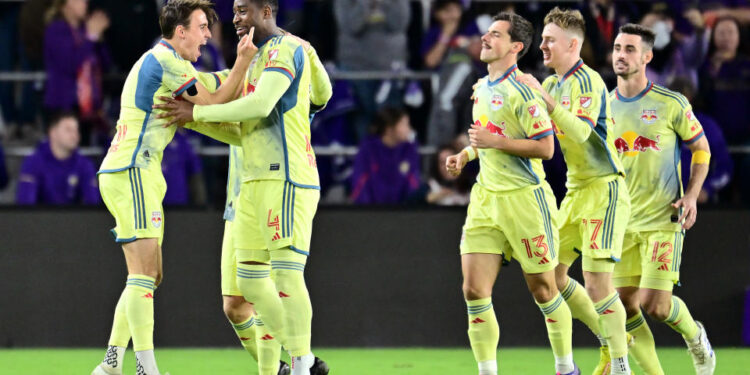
(276, 237)
(283, 295)
(663, 267)
(267, 337)
(607, 311)
(477, 321)
(148, 295)
(551, 320)
(244, 338)
(544, 261)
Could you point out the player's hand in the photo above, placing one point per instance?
(455, 163)
(474, 88)
(480, 137)
(531, 81)
(178, 112)
(246, 49)
(689, 213)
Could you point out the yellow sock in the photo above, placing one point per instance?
(612, 324)
(559, 325)
(269, 350)
(120, 335)
(643, 349)
(680, 319)
(246, 333)
(484, 332)
(254, 281)
(580, 305)
(139, 309)
(288, 273)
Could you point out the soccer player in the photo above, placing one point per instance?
(510, 134)
(596, 208)
(652, 122)
(280, 188)
(130, 178)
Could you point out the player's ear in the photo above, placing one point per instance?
(648, 56)
(267, 12)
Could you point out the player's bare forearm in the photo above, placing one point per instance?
(698, 171)
(542, 148)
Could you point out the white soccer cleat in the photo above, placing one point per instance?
(704, 358)
(101, 370)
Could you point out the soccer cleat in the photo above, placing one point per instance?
(604, 365)
(101, 370)
(284, 368)
(576, 371)
(319, 367)
(704, 358)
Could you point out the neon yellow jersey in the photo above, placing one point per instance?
(278, 147)
(141, 138)
(510, 109)
(582, 92)
(650, 127)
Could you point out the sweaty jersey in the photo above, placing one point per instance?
(650, 129)
(141, 138)
(278, 147)
(509, 109)
(582, 93)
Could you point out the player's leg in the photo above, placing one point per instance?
(627, 279)
(479, 273)
(660, 275)
(605, 216)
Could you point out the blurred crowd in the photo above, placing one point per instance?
(86, 48)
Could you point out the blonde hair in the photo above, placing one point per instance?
(570, 20)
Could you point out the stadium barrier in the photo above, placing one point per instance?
(378, 277)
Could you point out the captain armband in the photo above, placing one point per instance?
(701, 157)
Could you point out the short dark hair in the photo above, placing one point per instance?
(521, 30)
(57, 117)
(647, 35)
(177, 12)
(274, 4)
(387, 118)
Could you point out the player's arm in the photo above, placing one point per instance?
(227, 132)
(577, 127)
(538, 147)
(321, 88)
(689, 129)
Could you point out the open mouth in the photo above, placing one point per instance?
(241, 30)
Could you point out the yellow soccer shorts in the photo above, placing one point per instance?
(228, 263)
(272, 215)
(650, 259)
(593, 221)
(518, 224)
(134, 197)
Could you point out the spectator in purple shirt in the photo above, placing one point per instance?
(182, 168)
(74, 57)
(386, 169)
(721, 167)
(56, 173)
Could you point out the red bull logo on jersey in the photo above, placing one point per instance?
(496, 102)
(156, 219)
(630, 143)
(649, 116)
(494, 129)
(565, 102)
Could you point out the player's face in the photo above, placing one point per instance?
(65, 134)
(247, 14)
(628, 55)
(196, 34)
(556, 46)
(496, 43)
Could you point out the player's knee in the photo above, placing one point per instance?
(235, 309)
(561, 280)
(656, 310)
(474, 292)
(543, 292)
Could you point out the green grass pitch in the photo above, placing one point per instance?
(411, 361)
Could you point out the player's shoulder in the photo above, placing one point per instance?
(588, 80)
(524, 92)
(550, 80)
(669, 97)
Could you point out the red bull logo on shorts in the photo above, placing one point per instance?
(649, 116)
(630, 143)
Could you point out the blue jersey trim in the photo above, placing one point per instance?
(125, 240)
(641, 94)
(542, 135)
(218, 81)
(671, 94)
(527, 163)
(298, 251)
(504, 76)
(166, 44)
(570, 72)
(677, 158)
(697, 137)
(601, 130)
(283, 71)
(190, 83)
(520, 89)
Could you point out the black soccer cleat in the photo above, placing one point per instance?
(319, 367)
(284, 368)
